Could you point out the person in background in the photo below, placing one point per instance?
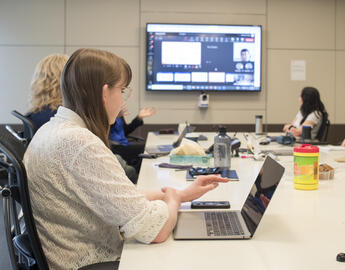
(310, 113)
(83, 203)
(120, 129)
(245, 56)
(343, 143)
(45, 95)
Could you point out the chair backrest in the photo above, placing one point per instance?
(324, 128)
(29, 126)
(18, 188)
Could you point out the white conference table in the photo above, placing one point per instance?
(299, 230)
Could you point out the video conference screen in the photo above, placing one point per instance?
(201, 57)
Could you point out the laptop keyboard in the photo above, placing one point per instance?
(222, 224)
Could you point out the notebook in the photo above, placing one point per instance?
(233, 224)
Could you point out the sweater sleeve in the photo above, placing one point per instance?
(314, 117)
(103, 186)
(129, 128)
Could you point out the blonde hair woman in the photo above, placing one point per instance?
(83, 203)
(46, 95)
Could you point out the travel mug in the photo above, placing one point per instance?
(306, 167)
(258, 124)
(306, 133)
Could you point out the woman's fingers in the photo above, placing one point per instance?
(209, 187)
(213, 178)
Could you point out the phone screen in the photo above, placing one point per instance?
(210, 205)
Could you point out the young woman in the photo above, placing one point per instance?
(82, 201)
(45, 95)
(310, 113)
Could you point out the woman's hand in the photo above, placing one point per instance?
(200, 186)
(146, 112)
(286, 127)
(295, 131)
(171, 195)
(173, 199)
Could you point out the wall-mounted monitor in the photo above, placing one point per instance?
(203, 57)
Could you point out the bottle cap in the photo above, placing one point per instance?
(306, 148)
(222, 129)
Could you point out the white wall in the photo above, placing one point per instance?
(310, 30)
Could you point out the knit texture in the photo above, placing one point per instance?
(82, 201)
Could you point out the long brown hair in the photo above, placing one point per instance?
(45, 84)
(82, 81)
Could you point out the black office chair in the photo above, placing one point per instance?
(28, 132)
(29, 126)
(324, 128)
(24, 246)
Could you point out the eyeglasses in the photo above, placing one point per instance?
(126, 92)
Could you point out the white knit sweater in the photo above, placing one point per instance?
(82, 201)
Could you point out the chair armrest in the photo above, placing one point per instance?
(22, 244)
(15, 134)
(136, 138)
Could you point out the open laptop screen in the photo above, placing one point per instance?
(261, 193)
(186, 130)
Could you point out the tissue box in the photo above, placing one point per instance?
(192, 160)
(326, 172)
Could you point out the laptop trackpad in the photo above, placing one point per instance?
(190, 225)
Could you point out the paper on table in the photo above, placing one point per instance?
(331, 148)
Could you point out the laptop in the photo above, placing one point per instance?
(165, 149)
(241, 224)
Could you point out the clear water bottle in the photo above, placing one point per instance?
(222, 149)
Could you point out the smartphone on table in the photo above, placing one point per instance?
(210, 205)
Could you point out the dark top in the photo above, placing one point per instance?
(120, 129)
(41, 117)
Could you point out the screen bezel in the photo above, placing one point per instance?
(208, 90)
